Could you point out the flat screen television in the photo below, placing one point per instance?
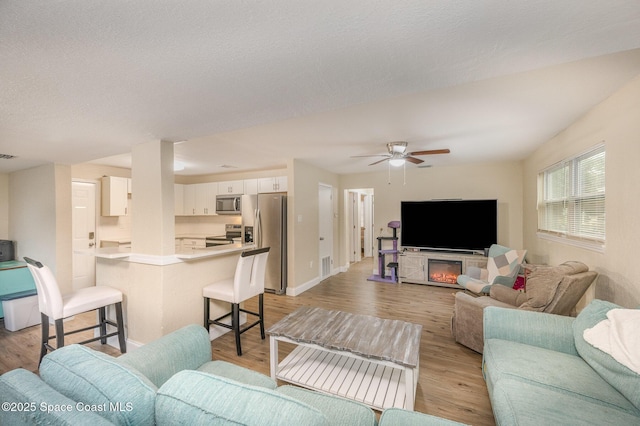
(449, 225)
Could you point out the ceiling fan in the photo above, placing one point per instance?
(398, 154)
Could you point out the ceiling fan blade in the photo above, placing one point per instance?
(430, 152)
(378, 162)
(375, 155)
(414, 160)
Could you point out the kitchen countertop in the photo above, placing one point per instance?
(127, 240)
(184, 255)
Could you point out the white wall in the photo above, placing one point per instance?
(616, 121)
(304, 235)
(4, 206)
(501, 181)
(40, 217)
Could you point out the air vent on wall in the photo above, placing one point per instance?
(7, 156)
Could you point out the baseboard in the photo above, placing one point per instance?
(297, 290)
(312, 283)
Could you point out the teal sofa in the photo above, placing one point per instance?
(539, 370)
(169, 381)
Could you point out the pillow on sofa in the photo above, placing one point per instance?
(544, 281)
(40, 403)
(117, 392)
(198, 398)
(542, 285)
(617, 375)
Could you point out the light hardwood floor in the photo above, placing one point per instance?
(450, 383)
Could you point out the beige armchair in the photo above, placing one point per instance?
(551, 289)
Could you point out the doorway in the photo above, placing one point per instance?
(360, 223)
(84, 234)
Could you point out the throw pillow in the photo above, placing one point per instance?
(617, 375)
(100, 384)
(198, 398)
(542, 284)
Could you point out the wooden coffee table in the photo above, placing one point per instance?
(358, 357)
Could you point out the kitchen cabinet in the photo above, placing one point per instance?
(117, 242)
(191, 243)
(198, 199)
(206, 198)
(114, 196)
(272, 184)
(178, 199)
(250, 186)
(235, 187)
(188, 200)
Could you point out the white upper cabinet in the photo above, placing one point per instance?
(206, 198)
(189, 200)
(178, 199)
(250, 186)
(272, 184)
(197, 199)
(235, 187)
(114, 196)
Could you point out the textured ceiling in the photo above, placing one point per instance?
(253, 83)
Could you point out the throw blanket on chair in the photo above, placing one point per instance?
(618, 336)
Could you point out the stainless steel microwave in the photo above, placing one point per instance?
(229, 204)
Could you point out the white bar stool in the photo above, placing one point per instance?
(56, 306)
(247, 282)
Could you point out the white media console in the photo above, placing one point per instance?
(435, 267)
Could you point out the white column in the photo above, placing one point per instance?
(152, 199)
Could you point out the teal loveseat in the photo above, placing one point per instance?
(539, 370)
(167, 382)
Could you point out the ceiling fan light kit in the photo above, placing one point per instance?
(396, 161)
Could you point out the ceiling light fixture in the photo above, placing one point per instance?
(396, 162)
(397, 159)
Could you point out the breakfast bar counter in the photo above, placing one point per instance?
(164, 293)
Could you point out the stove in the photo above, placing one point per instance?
(232, 232)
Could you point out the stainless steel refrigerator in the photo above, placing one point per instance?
(270, 230)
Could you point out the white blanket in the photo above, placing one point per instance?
(619, 336)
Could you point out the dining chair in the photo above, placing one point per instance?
(55, 306)
(247, 282)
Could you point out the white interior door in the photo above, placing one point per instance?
(325, 228)
(368, 225)
(84, 234)
(353, 216)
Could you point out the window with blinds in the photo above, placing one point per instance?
(571, 199)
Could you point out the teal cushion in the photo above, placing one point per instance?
(237, 373)
(400, 417)
(119, 393)
(563, 372)
(41, 404)
(197, 398)
(516, 402)
(339, 411)
(184, 349)
(626, 381)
